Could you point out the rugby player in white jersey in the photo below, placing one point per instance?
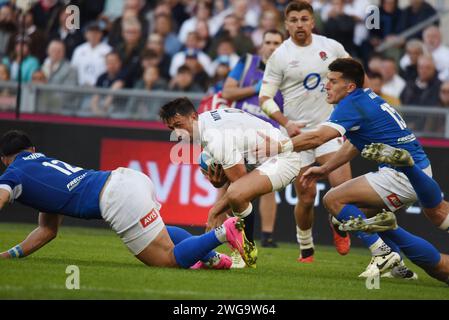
(231, 136)
(298, 68)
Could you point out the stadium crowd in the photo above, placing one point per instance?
(191, 45)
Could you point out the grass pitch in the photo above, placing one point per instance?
(109, 271)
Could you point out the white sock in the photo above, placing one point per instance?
(379, 248)
(245, 212)
(445, 225)
(220, 233)
(304, 238)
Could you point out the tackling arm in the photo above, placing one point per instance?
(345, 154)
(44, 233)
(311, 140)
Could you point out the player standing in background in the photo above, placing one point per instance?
(125, 198)
(298, 69)
(230, 137)
(242, 88)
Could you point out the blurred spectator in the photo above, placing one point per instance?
(374, 63)
(45, 13)
(113, 79)
(155, 43)
(151, 80)
(444, 94)
(72, 37)
(355, 9)
(393, 83)
(113, 9)
(29, 63)
(340, 26)
(434, 46)
(203, 12)
(232, 28)
(204, 39)
(248, 17)
(90, 10)
(200, 76)
(390, 27)
(226, 52)
(89, 57)
(269, 20)
(413, 50)
(132, 9)
(192, 47)
(183, 81)
(424, 90)
(8, 30)
(114, 76)
(416, 12)
(162, 7)
(7, 98)
(376, 83)
(57, 68)
(130, 50)
(163, 26)
(221, 72)
(36, 36)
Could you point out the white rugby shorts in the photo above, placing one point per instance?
(281, 169)
(394, 187)
(128, 203)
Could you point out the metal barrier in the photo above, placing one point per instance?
(144, 105)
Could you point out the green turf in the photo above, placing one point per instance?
(109, 271)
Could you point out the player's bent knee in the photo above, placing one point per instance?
(159, 252)
(306, 196)
(331, 203)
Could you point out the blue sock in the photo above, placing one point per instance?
(427, 189)
(418, 250)
(190, 250)
(389, 242)
(178, 234)
(349, 210)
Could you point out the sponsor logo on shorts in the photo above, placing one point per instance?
(394, 200)
(149, 218)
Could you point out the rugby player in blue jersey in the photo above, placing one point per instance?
(365, 118)
(125, 198)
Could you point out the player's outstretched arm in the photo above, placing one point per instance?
(345, 154)
(43, 234)
(311, 139)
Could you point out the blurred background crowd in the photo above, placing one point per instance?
(191, 45)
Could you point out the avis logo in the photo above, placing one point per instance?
(149, 218)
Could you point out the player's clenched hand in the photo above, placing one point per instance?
(5, 255)
(294, 128)
(217, 176)
(312, 175)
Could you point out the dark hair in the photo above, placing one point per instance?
(298, 6)
(184, 69)
(274, 31)
(14, 141)
(182, 106)
(351, 70)
(374, 75)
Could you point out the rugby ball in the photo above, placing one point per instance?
(207, 161)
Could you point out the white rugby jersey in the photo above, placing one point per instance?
(230, 136)
(300, 73)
